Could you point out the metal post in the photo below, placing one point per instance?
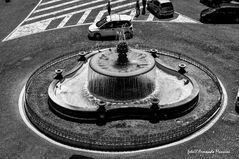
(144, 7)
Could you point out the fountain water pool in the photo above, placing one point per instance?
(126, 83)
(169, 89)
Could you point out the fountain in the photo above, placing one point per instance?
(126, 80)
(121, 98)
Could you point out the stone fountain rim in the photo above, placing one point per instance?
(194, 94)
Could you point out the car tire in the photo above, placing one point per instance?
(97, 36)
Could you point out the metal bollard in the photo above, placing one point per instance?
(182, 68)
(154, 111)
(101, 111)
(154, 52)
(82, 57)
(58, 74)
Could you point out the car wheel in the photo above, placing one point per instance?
(128, 35)
(97, 36)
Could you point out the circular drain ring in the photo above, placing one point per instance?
(189, 129)
(190, 137)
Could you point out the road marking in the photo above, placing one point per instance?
(55, 6)
(184, 19)
(133, 13)
(29, 29)
(101, 13)
(49, 2)
(98, 17)
(70, 8)
(84, 16)
(126, 11)
(150, 18)
(39, 23)
(64, 21)
(9, 37)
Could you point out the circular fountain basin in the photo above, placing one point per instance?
(77, 95)
(47, 106)
(170, 89)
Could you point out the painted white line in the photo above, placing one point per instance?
(125, 11)
(122, 6)
(184, 19)
(75, 12)
(55, 6)
(64, 21)
(6, 38)
(133, 13)
(84, 16)
(29, 29)
(49, 2)
(150, 17)
(66, 9)
(186, 139)
(99, 15)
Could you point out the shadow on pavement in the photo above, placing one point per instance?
(220, 21)
(110, 38)
(80, 157)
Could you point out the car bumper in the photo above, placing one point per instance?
(90, 34)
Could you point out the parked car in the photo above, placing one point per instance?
(112, 25)
(160, 8)
(224, 13)
(213, 3)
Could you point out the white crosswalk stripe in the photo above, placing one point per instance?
(133, 13)
(64, 21)
(80, 12)
(99, 16)
(55, 6)
(70, 8)
(83, 18)
(151, 17)
(49, 2)
(101, 13)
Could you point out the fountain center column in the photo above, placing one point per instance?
(121, 73)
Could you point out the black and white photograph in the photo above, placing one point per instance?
(119, 79)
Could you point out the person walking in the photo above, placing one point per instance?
(109, 7)
(137, 8)
(144, 7)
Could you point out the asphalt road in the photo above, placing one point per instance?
(216, 46)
